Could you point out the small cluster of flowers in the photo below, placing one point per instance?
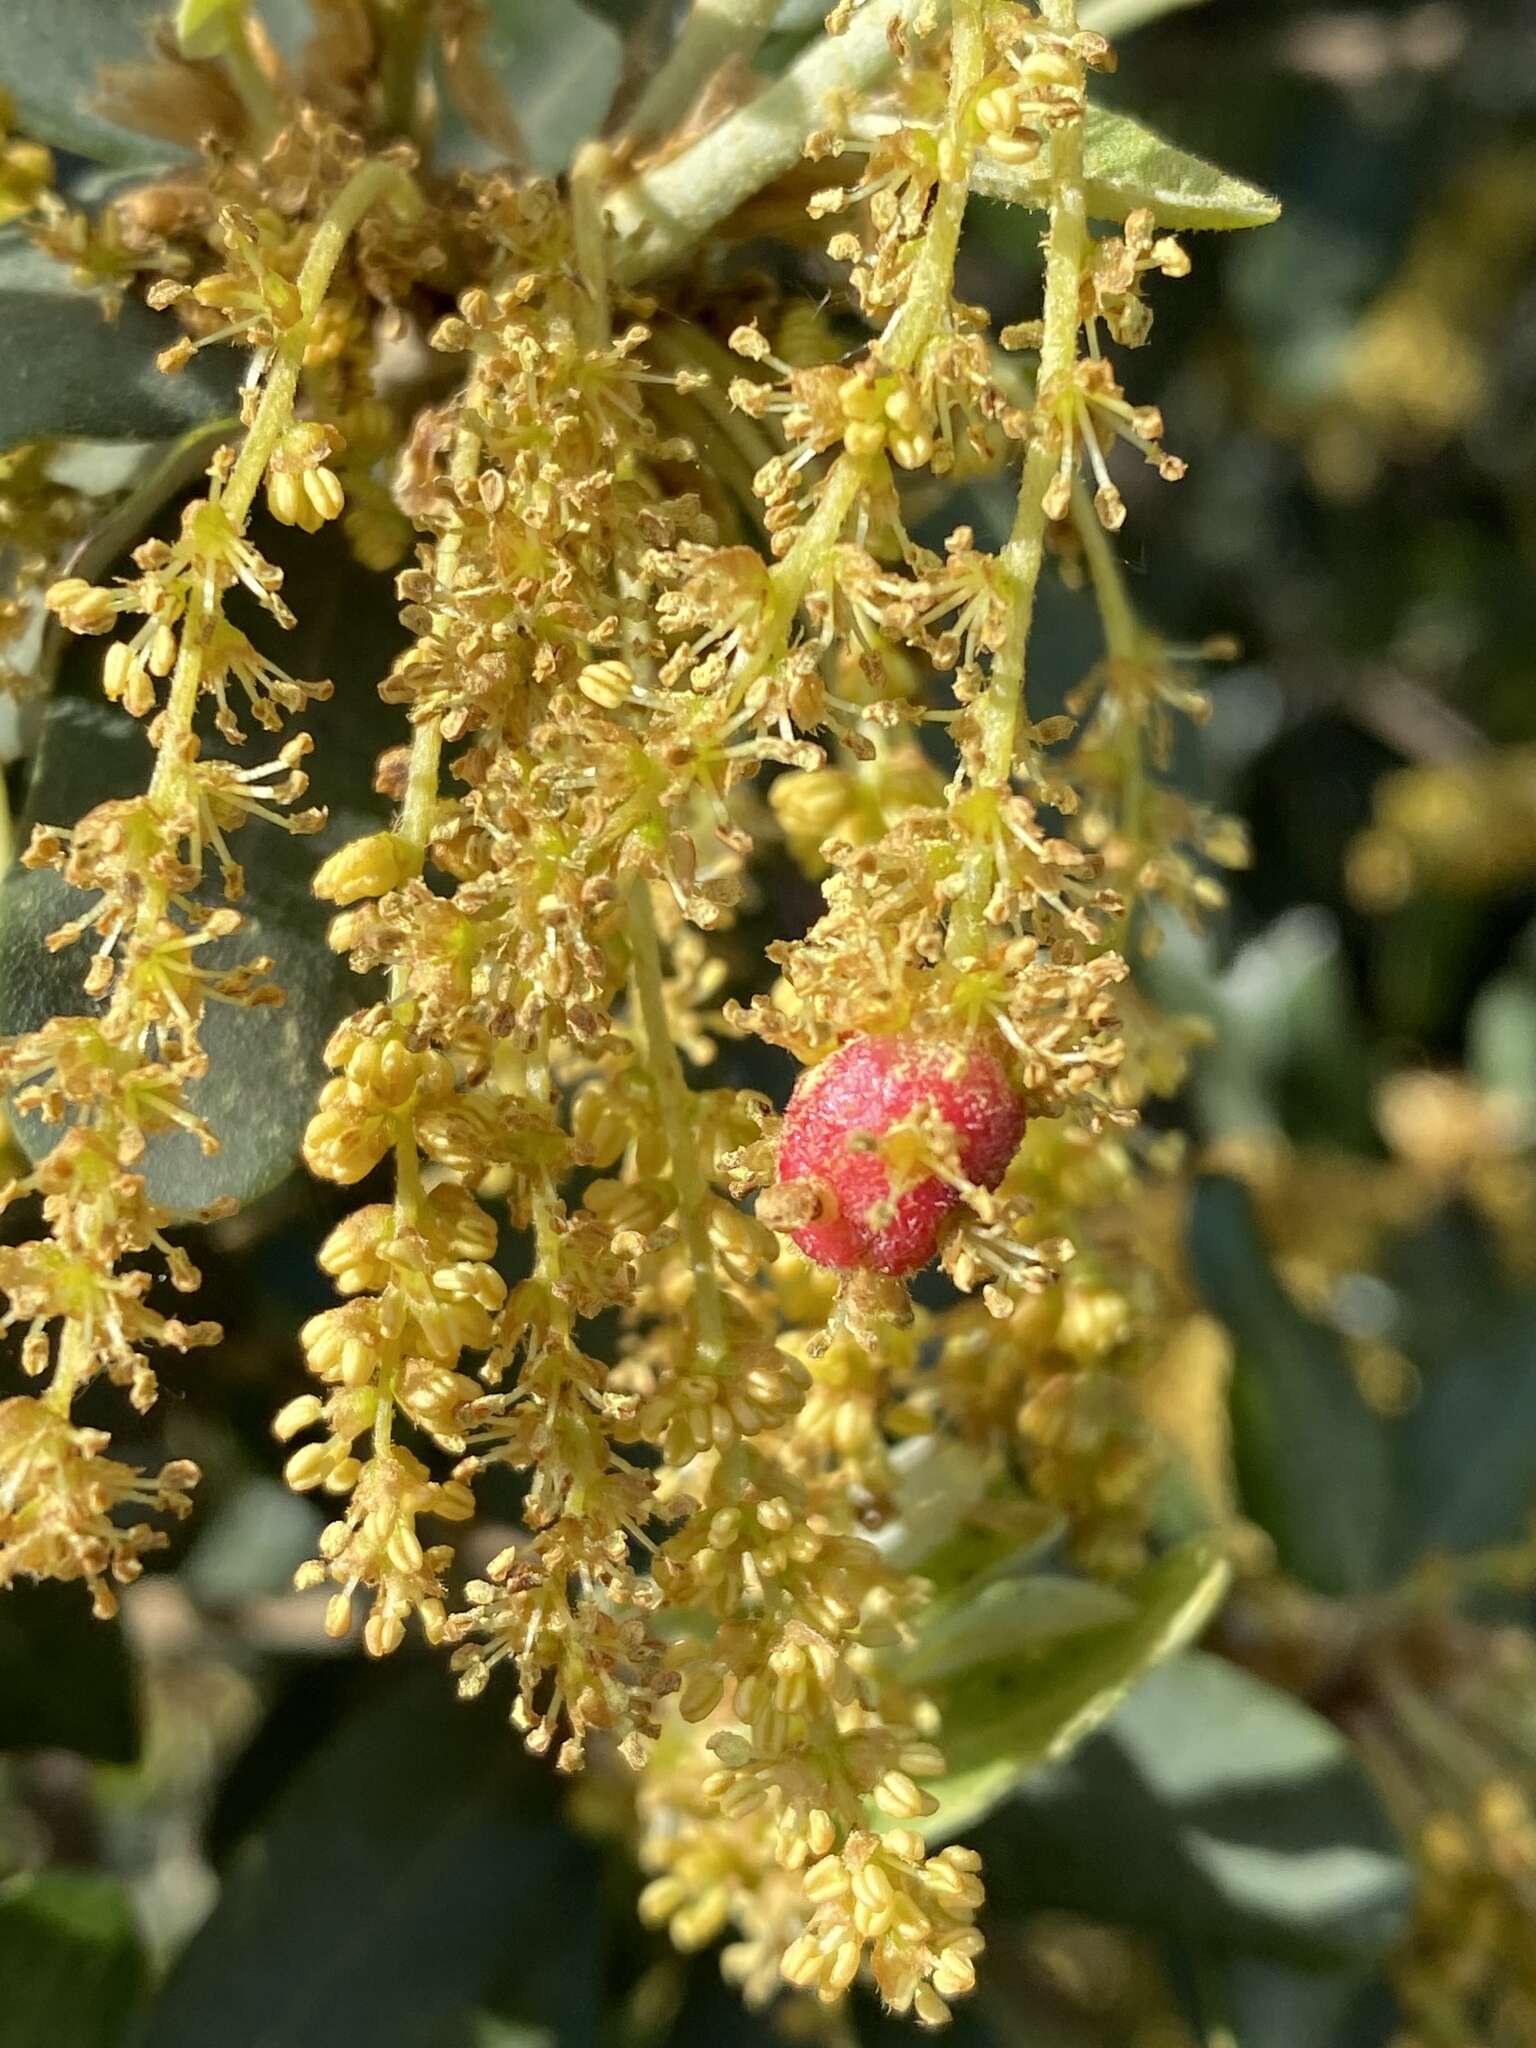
(614, 632)
(124, 1072)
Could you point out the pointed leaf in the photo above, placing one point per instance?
(1312, 1457)
(67, 371)
(410, 1861)
(1127, 167)
(1464, 1454)
(1213, 1810)
(1007, 1714)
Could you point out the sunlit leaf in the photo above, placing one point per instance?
(205, 28)
(1028, 1701)
(1128, 167)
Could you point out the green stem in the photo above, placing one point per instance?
(1125, 640)
(662, 213)
(261, 103)
(924, 312)
(591, 245)
(1000, 707)
(1123, 633)
(275, 407)
(674, 205)
(402, 33)
(70, 1368)
(675, 1101)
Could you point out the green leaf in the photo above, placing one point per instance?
(1031, 1697)
(557, 65)
(69, 372)
(70, 1961)
(1312, 1457)
(1464, 1454)
(264, 1064)
(1007, 1618)
(206, 28)
(52, 53)
(1501, 1040)
(252, 1545)
(1267, 2004)
(65, 1678)
(1215, 1810)
(1127, 166)
(413, 1859)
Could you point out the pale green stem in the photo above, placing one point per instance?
(924, 312)
(1000, 708)
(418, 809)
(662, 213)
(361, 192)
(717, 32)
(675, 204)
(673, 1095)
(1123, 632)
(70, 1368)
(587, 171)
(675, 1101)
(1127, 640)
(261, 103)
(274, 412)
(402, 31)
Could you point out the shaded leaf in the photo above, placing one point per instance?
(1215, 1810)
(68, 371)
(1007, 1714)
(52, 53)
(1009, 1617)
(264, 1065)
(1126, 166)
(70, 1961)
(252, 1545)
(414, 1858)
(1464, 1454)
(1268, 2004)
(1312, 1460)
(65, 1678)
(945, 1518)
(557, 65)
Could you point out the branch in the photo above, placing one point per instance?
(661, 214)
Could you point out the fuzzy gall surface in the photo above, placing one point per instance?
(857, 1095)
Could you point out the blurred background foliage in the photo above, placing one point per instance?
(1316, 1830)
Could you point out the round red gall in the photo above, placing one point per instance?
(842, 1108)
